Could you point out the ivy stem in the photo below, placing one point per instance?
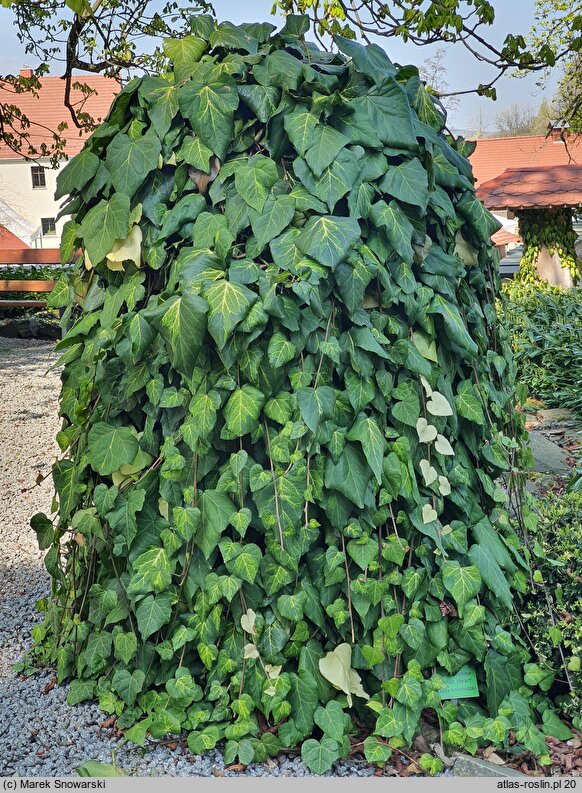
(349, 593)
(306, 507)
(277, 512)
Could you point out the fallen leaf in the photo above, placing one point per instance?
(495, 759)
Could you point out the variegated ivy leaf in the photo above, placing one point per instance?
(442, 446)
(336, 667)
(438, 405)
(429, 515)
(429, 474)
(250, 651)
(444, 486)
(247, 621)
(426, 432)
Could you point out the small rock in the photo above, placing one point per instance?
(548, 456)
(465, 765)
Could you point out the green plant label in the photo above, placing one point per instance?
(463, 685)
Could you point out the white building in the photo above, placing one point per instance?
(27, 186)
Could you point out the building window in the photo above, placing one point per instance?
(48, 226)
(38, 177)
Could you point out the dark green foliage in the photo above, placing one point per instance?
(553, 608)
(544, 324)
(284, 427)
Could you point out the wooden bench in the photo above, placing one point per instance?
(24, 286)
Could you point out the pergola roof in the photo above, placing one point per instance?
(538, 187)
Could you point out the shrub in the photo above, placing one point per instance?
(553, 608)
(544, 325)
(285, 411)
(27, 273)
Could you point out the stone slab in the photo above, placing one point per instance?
(549, 458)
(555, 414)
(465, 765)
(29, 328)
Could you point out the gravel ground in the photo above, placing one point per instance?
(39, 734)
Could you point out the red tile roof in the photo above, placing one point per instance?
(504, 237)
(529, 188)
(9, 241)
(493, 155)
(49, 110)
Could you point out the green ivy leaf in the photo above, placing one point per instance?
(280, 350)
(184, 53)
(350, 475)
(468, 403)
(129, 161)
(328, 239)
(216, 509)
(464, 583)
(331, 720)
(125, 646)
(397, 226)
(128, 684)
(315, 405)
(77, 172)
(368, 433)
(110, 447)
(242, 410)
(255, 180)
(103, 224)
(228, 304)
(182, 323)
(407, 182)
(319, 756)
(152, 612)
(209, 105)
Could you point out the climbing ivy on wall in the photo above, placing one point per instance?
(551, 229)
(285, 413)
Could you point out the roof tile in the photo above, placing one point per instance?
(493, 155)
(48, 109)
(537, 187)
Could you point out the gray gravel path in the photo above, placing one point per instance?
(39, 734)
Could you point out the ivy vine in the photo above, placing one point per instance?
(553, 230)
(286, 409)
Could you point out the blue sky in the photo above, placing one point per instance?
(515, 16)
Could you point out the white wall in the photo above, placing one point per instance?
(31, 203)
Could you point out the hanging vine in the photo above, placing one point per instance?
(286, 409)
(553, 230)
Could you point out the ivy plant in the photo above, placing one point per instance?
(551, 229)
(285, 411)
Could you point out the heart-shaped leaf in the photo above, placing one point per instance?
(426, 432)
(250, 651)
(247, 621)
(429, 474)
(444, 486)
(443, 447)
(438, 405)
(428, 514)
(426, 385)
